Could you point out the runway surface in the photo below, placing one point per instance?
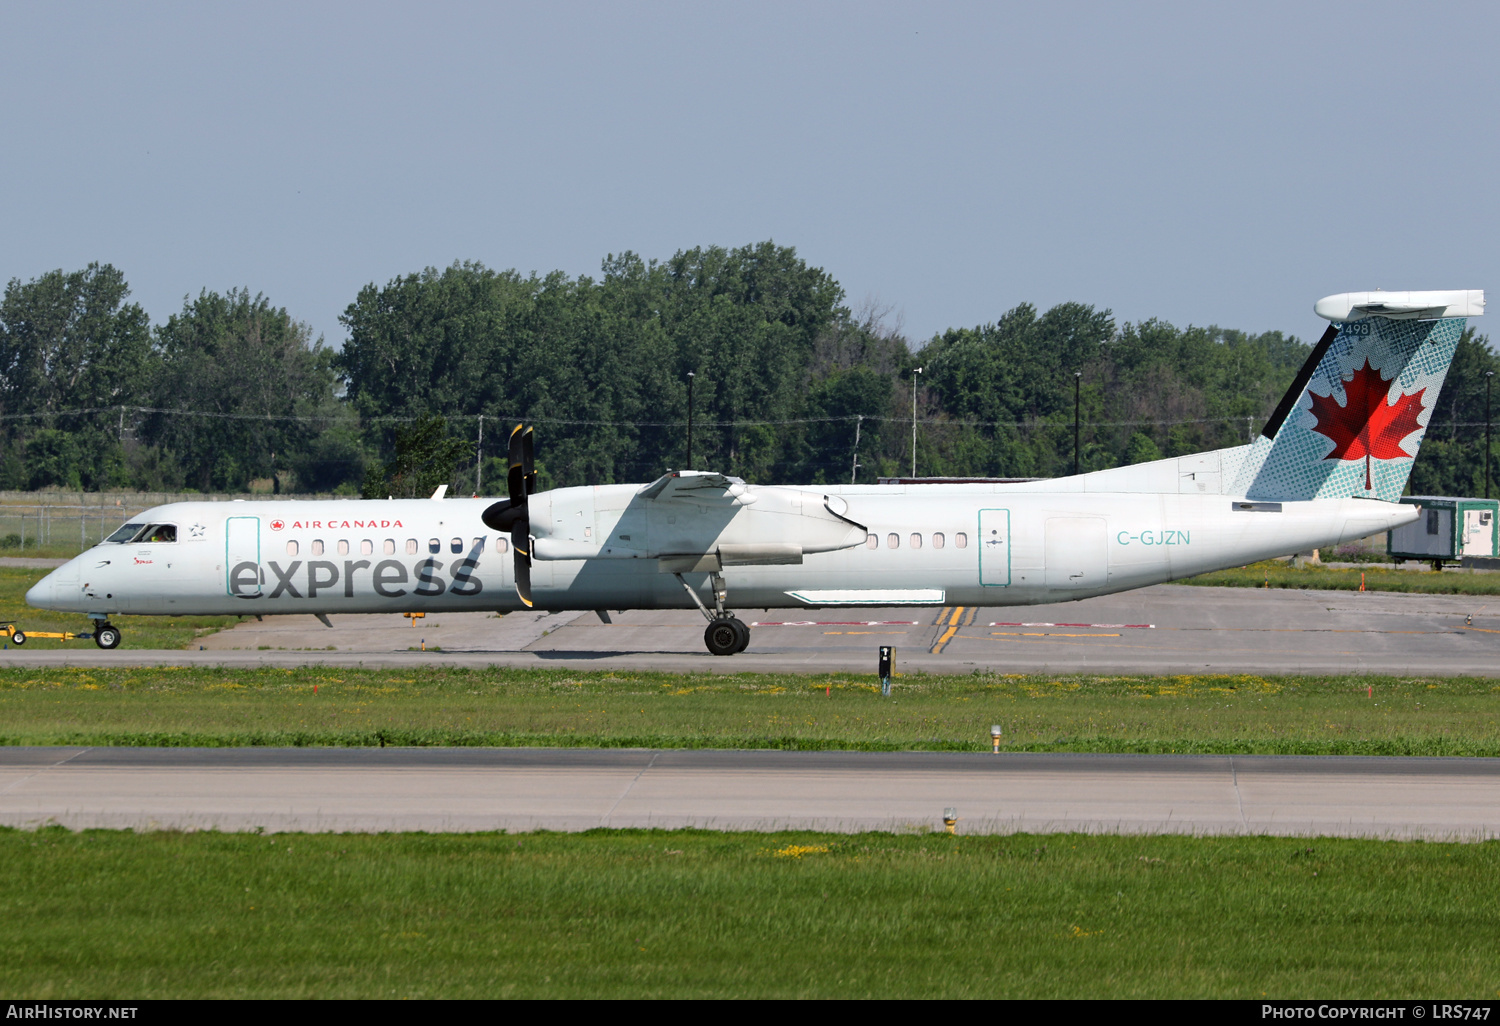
(1163, 629)
(559, 789)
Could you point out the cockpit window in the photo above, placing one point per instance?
(126, 533)
(158, 533)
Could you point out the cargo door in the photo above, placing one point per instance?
(1077, 552)
(994, 547)
(243, 575)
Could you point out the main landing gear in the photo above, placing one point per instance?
(726, 633)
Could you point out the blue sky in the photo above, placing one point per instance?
(1202, 163)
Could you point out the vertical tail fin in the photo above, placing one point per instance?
(1354, 417)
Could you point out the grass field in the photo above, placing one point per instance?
(441, 706)
(698, 914)
(136, 631)
(1275, 574)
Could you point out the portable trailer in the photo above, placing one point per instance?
(1449, 528)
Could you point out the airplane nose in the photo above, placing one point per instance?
(41, 593)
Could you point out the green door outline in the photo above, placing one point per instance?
(994, 572)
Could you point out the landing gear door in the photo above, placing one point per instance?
(243, 576)
(994, 547)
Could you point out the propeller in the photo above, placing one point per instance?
(512, 514)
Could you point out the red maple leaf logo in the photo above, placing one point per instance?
(1366, 425)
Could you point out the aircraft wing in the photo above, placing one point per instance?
(697, 486)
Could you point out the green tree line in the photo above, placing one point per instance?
(790, 384)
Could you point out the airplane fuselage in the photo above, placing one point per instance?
(919, 545)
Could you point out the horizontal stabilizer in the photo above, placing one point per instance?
(1400, 306)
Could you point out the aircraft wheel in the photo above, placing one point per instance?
(107, 636)
(744, 633)
(722, 638)
(19, 637)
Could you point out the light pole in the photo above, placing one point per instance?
(1077, 384)
(1488, 375)
(690, 423)
(854, 462)
(914, 421)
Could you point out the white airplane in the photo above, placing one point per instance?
(1328, 467)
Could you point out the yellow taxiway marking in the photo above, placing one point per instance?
(954, 623)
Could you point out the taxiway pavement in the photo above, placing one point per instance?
(526, 789)
(1160, 630)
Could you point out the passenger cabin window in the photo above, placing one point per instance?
(343, 547)
(457, 545)
(937, 539)
(960, 540)
(390, 547)
(893, 540)
(872, 541)
(434, 545)
(502, 545)
(317, 547)
(291, 547)
(126, 533)
(411, 546)
(478, 544)
(916, 541)
(367, 548)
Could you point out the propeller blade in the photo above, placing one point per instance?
(528, 459)
(521, 543)
(516, 478)
(512, 515)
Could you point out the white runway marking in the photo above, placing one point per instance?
(834, 623)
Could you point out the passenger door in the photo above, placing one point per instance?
(994, 547)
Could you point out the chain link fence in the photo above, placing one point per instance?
(66, 523)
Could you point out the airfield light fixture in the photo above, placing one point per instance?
(950, 818)
(995, 738)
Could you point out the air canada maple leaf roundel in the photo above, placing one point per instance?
(1366, 426)
(277, 525)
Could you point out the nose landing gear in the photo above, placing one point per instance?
(726, 633)
(107, 635)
